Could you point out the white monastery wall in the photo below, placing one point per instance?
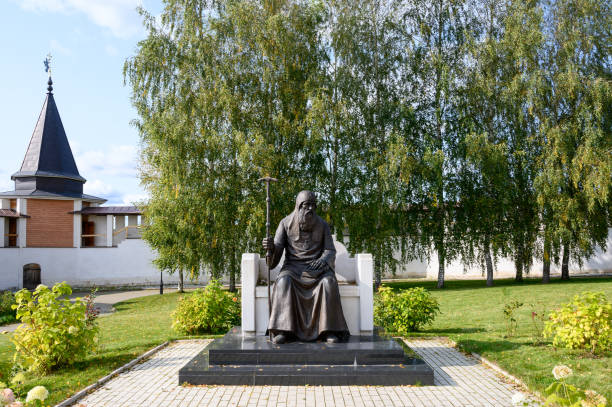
(130, 263)
(600, 262)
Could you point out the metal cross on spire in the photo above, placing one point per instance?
(47, 63)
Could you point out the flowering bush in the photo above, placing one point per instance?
(561, 372)
(560, 393)
(37, 393)
(583, 323)
(55, 330)
(212, 310)
(35, 397)
(406, 311)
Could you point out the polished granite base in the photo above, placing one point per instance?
(255, 360)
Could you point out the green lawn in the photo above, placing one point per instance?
(137, 326)
(471, 315)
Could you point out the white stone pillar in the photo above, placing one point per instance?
(22, 208)
(3, 232)
(119, 224)
(249, 271)
(109, 230)
(4, 228)
(365, 274)
(77, 224)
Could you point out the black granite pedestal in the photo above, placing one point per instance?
(363, 360)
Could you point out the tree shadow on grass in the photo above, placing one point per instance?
(494, 345)
(124, 305)
(458, 285)
(104, 362)
(442, 331)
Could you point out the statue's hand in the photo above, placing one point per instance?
(268, 243)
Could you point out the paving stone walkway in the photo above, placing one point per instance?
(460, 381)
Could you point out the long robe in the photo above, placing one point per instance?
(306, 303)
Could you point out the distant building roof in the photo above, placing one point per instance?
(37, 193)
(110, 210)
(11, 213)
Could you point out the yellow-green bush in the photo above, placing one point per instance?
(405, 311)
(55, 331)
(212, 310)
(583, 323)
(7, 313)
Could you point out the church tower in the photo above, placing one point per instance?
(40, 212)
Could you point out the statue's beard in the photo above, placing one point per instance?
(306, 220)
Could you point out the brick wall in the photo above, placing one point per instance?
(50, 223)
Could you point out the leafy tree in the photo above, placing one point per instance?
(574, 183)
(434, 67)
(498, 193)
(486, 178)
(367, 54)
(466, 129)
(220, 90)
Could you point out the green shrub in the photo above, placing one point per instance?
(55, 331)
(405, 311)
(7, 313)
(212, 310)
(509, 310)
(583, 323)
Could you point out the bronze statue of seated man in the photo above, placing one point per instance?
(305, 297)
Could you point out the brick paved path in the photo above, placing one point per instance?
(460, 381)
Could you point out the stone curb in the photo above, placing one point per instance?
(73, 399)
(492, 366)
(501, 371)
(498, 369)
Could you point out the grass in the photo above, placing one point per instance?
(137, 326)
(471, 315)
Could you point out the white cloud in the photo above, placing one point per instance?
(55, 46)
(98, 188)
(111, 173)
(119, 16)
(113, 196)
(117, 160)
(131, 199)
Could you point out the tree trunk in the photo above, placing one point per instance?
(518, 263)
(441, 273)
(232, 274)
(441, 261)
(565, 262)
(181, 286)
(489, 263)
(546, 261)
(377, 276)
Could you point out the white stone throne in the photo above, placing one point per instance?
(354, 277)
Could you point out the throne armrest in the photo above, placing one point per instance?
(365, 274)
(249, 272)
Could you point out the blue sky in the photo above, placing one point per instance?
(89, 41)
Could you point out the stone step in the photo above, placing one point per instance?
(200, 372)
(238, 360)
(234, 349)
